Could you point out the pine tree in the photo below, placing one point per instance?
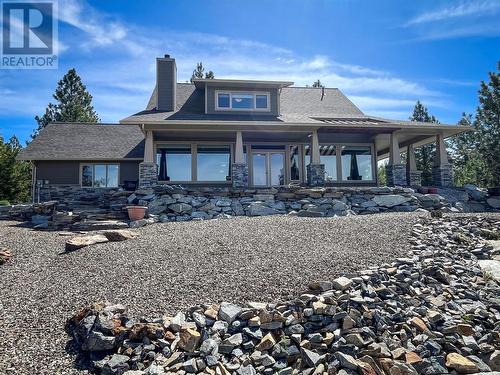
(424, 155)
(488, 124)
(74, 103)
(15, 176)
(468, 165)
(199, 73)
(317, 83)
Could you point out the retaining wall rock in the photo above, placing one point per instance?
(85, 208)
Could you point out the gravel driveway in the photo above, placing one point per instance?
(173, 266)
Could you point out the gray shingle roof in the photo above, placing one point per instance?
(298, 104)
(77, 141)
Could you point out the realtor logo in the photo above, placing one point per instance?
(29, 32)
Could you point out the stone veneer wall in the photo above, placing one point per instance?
(396, 175)
(75, 196)
(239, 175)
(148, 174)
(414, 178)
(443, 175)
(315, 175)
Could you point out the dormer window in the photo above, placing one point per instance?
(242, 101)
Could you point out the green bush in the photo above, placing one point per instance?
(4, 203)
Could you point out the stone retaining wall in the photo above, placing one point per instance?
(176, 203)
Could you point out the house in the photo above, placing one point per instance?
(239, 133)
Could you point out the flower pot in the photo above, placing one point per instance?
(136, 212)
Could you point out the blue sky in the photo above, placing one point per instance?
(384, 55)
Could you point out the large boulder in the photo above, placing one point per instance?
(180, 208)
(475, 192)
(82, 241)
(390, 200)
(494, 202)
(260, 209)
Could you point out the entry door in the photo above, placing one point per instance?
(268, 168)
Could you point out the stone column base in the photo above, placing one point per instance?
(414, 178)
(442, 175)
(316, 174)
(239, 175)
(396, 174)
(148, 174)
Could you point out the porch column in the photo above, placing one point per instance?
(148, 170)
(413, 176)
(442, 172)
(315, 170)
(396, 172)
(239, 169)
(148, 147)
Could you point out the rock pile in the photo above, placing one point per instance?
(433, 312)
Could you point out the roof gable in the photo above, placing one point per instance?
(77, 141)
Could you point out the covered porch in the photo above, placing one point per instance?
(342, 153)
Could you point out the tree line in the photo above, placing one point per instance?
(475, 155)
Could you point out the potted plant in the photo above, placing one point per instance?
(136, 212)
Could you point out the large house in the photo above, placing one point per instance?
(239, 133)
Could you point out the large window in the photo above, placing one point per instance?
(213, 163)
(357, 163)
(174, 162)
(193, 162)
(100, 175)
(328, 157)
(242, 101)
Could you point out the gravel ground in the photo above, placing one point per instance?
(173, 266)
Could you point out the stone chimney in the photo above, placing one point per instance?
(166, 82)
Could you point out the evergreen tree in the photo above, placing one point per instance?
(74, 103)
(199, 73)
(317, 83)
(488, 124)
(15, 176)
(424, 155)
(468, 165)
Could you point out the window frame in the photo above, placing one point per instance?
(372, 162)
(194, 160)
(93, 165)
(338, 151)
(240, 92)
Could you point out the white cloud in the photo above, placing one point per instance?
(458, 10)
(459, 20)
(117, 64)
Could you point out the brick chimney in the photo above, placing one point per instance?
(166, 82)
